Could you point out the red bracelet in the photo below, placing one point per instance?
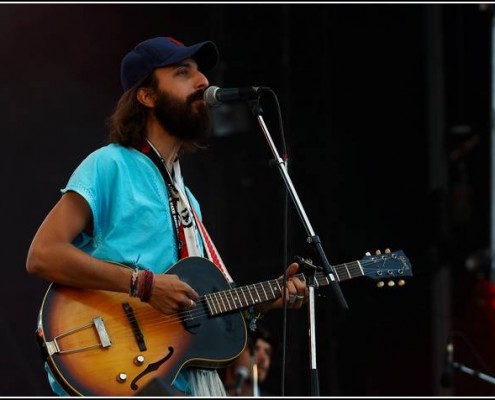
(147, 287)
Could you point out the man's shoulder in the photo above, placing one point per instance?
(113, 149)
(114, 153)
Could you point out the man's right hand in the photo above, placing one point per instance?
(170, 294)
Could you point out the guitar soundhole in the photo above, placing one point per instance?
(151, 367)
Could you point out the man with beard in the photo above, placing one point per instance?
(126, 217)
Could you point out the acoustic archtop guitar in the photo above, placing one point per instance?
(102, 343)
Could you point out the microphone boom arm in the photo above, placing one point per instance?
(312, 238)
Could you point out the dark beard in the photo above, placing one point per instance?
(181, 120)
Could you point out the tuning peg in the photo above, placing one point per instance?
(368, 253)
(387, 251)
(378, 252)
(401, 282)
(380, 284)
(391, 283)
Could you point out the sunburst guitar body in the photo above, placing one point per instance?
(102, 343)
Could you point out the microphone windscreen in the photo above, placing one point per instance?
(210, 97)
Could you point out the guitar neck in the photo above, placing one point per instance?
(244, 296)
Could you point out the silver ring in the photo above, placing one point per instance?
(298, 297)
(292, 298)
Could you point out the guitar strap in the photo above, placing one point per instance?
(187, 222)
(211, 250)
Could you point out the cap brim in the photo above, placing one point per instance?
(204, 53)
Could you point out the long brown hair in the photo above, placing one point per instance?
(127, 124)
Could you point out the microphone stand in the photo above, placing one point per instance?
(254, 369)
(256, 388)
(313, 240)
(470, 371)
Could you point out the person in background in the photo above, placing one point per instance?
(246, 375)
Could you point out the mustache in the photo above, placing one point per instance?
(197, 95)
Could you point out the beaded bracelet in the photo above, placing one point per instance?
(134, 283)
(141, 284)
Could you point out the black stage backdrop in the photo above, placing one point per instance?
(386, 112)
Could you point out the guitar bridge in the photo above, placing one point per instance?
(53, 346)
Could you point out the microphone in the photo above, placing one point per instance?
(214, 95)
(241, 373)
(448, 365)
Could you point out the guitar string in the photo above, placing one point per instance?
(201, 309)
(227, 296)
(163, 319)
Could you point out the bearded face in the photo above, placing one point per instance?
(187, 120)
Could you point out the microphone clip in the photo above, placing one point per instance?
(307, 264)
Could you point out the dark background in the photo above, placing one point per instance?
(386, 112)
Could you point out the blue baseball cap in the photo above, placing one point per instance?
(161, 52)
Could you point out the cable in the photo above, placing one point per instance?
(285, 239)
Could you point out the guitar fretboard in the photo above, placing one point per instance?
(245, 296)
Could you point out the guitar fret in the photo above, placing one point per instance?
(338, 268)
(360, 268)
(245, 298)
(347, 269)
(278, 281)
(211, 305)
(339, 273)
(238, 298)
(354, 270)
(224, 300)
(270, 286)
(322, 279)
(215, 303)
(249, 291)
(233, 299)
(221, 298)
(227, 298)
(256, 290)
(266, 296)
(252, 289)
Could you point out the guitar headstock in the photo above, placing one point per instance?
(389, 266)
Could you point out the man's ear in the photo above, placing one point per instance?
(146, 97)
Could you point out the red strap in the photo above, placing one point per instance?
(212, 251)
